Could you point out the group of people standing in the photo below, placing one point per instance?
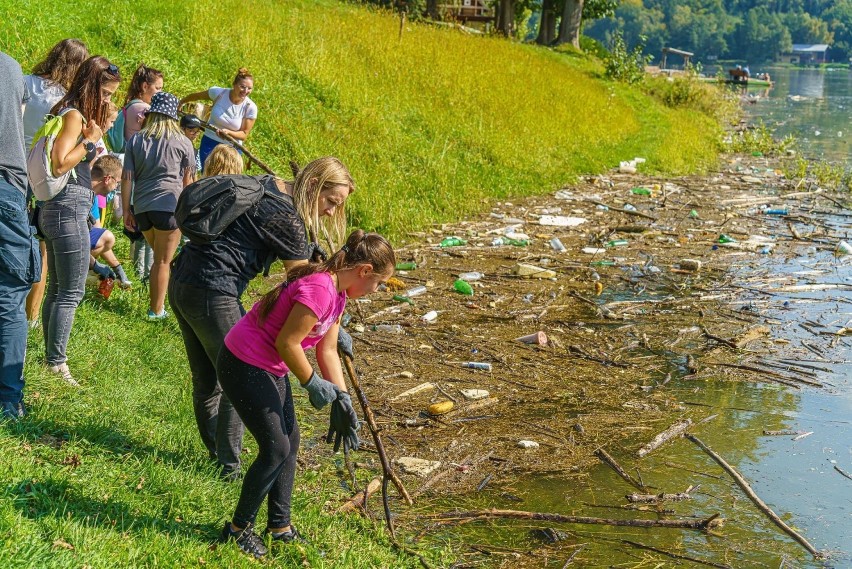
(239, 362)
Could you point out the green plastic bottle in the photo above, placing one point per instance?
(400, 298)
(406, 266)
(453, 242)
(617, 243)
(640, 192)
(726, 239)
(463, 287)
(603, 263)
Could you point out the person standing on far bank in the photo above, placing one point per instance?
(20, 262)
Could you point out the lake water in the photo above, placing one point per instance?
(813, 105)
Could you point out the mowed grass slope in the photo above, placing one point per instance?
(429, 125)
(114, 474)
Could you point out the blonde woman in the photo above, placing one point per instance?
(223, 159)
(159, 162)
(207, 282)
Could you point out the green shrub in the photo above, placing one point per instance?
(626, 65)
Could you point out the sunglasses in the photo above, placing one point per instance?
(112, 69)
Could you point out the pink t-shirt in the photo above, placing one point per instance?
(255, 344)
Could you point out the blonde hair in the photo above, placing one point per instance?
(158, 125)
(323, 174)
(223, 159)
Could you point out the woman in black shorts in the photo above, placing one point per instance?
(159, 162)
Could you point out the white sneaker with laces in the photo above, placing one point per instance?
(63, 371)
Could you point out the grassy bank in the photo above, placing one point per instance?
(113, 474)
(429, 125)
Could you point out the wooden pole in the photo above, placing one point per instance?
(235, 143)
(741, 482)
(708, 523)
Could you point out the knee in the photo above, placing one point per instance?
(107, 241)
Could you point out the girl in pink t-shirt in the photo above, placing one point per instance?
(265, 346)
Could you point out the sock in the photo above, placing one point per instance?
(119, 270)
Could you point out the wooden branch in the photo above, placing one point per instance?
(741, 482)
(620, 210)
(670, 433)
(606, 458)
(358, 501)
(387, 469)
(657, 498)
(711, 522)
(719, 339)
(843, 472)
(675, 555)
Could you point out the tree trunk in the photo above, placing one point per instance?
(569, 27)
(547, 24)
(506, 18)
(432, 9)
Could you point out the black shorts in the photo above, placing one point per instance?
(162, 220)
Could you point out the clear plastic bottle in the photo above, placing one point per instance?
(557, 245)
(617, 243)
(388, 328)
(415, 291)
(471, 276)
(477, 365)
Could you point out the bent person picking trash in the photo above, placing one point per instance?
(265, 346)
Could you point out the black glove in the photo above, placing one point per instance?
(344, 343)
(343, 424)
(316, 253)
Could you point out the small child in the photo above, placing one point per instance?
(223, 159)
(106, 174)
(270, 342)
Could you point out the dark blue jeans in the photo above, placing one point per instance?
(20, 266)
(205, 317)
(66, 234)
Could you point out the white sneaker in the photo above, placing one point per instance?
(63, 371)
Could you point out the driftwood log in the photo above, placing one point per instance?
(667, 435)
(761, 505)
(657, 498)
(709, 523)
(605, 457)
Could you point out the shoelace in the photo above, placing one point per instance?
(249, 541)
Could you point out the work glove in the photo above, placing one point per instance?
(344, 343)
(103, 271)
(317, 253)
(320, 391)
(343, 424)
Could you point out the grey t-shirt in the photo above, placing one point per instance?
(13, 161)
(158, 166)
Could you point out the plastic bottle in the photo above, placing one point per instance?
(726, 239)
(693, 214)
(430, 316)
(415, 291)
(779, 211)
(105, 288)
(557, 245)
(477, 365)
(629, 207)
(844, 248)
(463, 287)
(389, 328)
(617, 243)
(406, 266)
(400, 298)
(453, 242)
(603, 263)
(471, 276)
(640, 192)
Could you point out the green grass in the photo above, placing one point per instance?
(114, 474)
(430, 125)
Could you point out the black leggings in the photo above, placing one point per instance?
(265, 404)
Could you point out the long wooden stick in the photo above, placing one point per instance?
(741, 482)
(670, 433)
(708, 523)
(374, 430)
(675, 555)
(235, 143)
(605, 457)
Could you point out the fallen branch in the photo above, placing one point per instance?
(657, 498)
(606, 458)
(719, 339)
(620, 210)
(741, 482)
(843, 472)
(358, 501)
(709, 523)
(665, 436)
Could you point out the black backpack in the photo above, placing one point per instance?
(207, 207)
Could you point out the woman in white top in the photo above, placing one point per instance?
(48, 83)
(233, 113)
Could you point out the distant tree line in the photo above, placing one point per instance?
(750, 30)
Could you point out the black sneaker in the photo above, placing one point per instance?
(246, 540)
(286, 537)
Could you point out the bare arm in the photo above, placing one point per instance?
(126, 188)
(67, 152)
(242, 134)
(192, 97)
(328, 358)
(298, 325)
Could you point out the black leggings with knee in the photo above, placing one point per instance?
(265, 404)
